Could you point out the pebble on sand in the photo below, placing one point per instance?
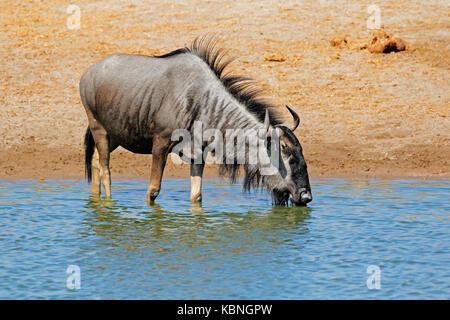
(381, 42)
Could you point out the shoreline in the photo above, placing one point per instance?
(223, 178)
(69, 164)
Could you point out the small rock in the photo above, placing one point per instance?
(381, 42)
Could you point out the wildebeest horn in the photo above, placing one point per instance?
(296, 118)
(267, 121)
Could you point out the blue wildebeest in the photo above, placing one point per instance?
(138, 101)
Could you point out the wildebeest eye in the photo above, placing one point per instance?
(293, 159)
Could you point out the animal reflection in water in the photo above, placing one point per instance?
(153, 226)
(138, 101)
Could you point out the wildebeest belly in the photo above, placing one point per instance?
(134, 144)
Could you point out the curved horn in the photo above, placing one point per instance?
(296, 118)
(267, 120)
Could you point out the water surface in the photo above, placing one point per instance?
(235, 245)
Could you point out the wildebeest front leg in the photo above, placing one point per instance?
(196, 182)
(160, 150)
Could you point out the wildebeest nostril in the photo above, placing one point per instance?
(306, 197)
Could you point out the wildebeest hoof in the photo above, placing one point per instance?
(197, 198)
(152, 195)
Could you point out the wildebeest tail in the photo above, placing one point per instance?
(89, 145)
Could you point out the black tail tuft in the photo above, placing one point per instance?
(89, 145)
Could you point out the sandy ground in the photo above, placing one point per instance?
(363, 114)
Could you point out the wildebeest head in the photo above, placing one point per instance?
(291, 181)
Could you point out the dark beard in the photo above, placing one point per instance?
(280, 198)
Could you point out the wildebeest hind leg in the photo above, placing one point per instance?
(96, 177)
(103, 159)
(96, 189)
(102, 148)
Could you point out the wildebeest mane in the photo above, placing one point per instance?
(242, 88)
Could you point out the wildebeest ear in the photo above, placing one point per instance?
(296, 118)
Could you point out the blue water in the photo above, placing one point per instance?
(234, 246)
